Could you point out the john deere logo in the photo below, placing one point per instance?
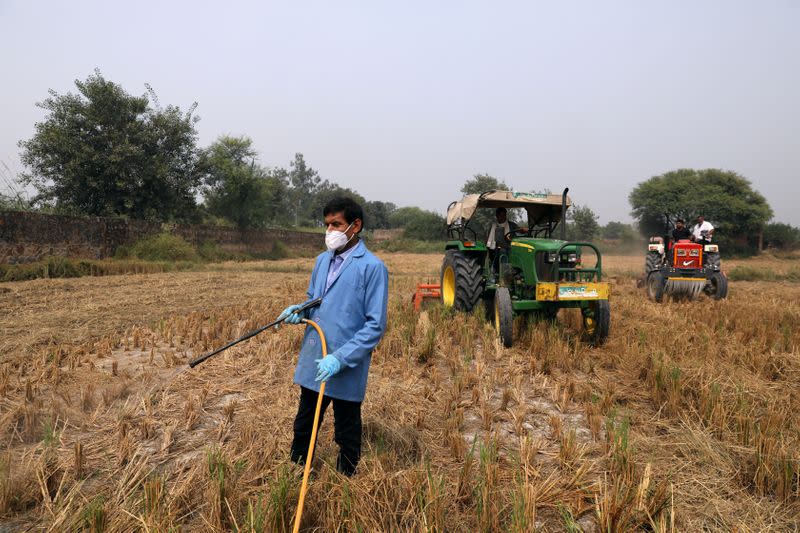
(528, 195)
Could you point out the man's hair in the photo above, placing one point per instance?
(500, 210)
(680, 220)
(347, 206)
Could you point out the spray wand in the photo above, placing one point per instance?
(305, 306)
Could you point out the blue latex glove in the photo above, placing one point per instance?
(293, 316)
(327, 367)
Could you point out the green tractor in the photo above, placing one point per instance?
(526, 271)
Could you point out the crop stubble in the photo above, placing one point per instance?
(687, 418)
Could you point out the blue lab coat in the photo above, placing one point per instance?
(352, 316)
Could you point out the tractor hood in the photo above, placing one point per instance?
(543, 245)
(538, 206)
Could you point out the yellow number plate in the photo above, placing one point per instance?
(572, 291)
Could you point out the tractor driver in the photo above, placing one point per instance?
(703, 231)
(498, 242)
(497, 239)
(681, 232)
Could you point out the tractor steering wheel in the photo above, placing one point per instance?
(524, 232)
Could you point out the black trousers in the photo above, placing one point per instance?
(346, 428)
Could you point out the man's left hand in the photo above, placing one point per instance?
(327, 367)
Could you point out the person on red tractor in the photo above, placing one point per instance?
(681, 232)
(702, 231)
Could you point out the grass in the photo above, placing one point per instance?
(686, 420)
(158, 255)
(763, 273)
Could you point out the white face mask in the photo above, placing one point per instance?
(336, 240)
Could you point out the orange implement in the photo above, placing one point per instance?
(425, 290)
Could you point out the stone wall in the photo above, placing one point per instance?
(26, 237)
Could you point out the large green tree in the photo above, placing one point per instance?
(237, 188)
(725, 198)
(582, 223)
(102, 151)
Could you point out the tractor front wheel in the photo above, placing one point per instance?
(461, 280)
(504, 316)
(655, 286)
(652, 262)
(597, 321)
(717, 286)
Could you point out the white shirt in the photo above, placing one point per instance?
(698, 230)
(491, 242)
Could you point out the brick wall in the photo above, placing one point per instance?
(26, 237)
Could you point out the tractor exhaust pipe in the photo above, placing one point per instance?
(564, 214)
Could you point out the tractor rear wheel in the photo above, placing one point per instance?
(655, 286)
(597, 321)
(504, 316)
(461, 280)
(717, 286)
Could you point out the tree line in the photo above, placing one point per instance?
(104, 152)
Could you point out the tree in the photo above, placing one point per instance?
(419, 224)
(304, 182)
(582, 223)
(725, 198)
(327, 191)
(483, 182)
(618, 231)
(104, 152)
(237, 188)
(379, 214)
(781, 236)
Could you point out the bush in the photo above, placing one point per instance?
(210, 251)
(414, 246)
(749, 273)
(279, 251)
(60, 267)
(164, 247)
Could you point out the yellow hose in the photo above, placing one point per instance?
(307, 469)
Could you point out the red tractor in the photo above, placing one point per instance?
(683, 270)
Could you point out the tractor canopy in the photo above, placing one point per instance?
(541, 208)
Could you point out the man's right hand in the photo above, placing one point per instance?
(291, 315)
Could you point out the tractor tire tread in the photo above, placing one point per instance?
(469, 279)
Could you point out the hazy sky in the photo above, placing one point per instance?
(403, 101)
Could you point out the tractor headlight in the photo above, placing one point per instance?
(552, 257)
(694, 253)
(681, 252)
(570, 258)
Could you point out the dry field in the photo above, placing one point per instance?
(686, 420)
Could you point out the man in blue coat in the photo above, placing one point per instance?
(354, 286)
